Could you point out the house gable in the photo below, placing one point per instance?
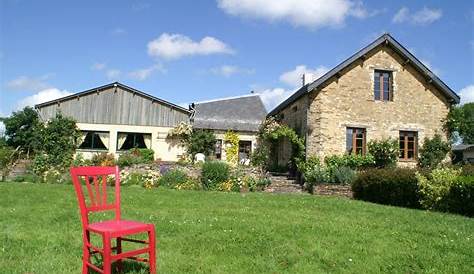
(383, 41)
(347, 101)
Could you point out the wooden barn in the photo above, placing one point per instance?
(115, 117)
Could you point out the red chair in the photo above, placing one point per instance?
(95, 180)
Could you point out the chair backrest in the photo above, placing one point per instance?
(94, 180)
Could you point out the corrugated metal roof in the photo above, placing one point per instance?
(240, 114)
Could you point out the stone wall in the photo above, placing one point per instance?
(349, 102)
(295, 117)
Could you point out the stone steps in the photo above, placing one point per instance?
(18, 169)
(283, 184)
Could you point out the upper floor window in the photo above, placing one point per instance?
(408, 145)
(355, 140)
(98, 140)
(383, 85)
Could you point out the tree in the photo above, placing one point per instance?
(461, 120)
(200, 141)
(59, 140)
(21, 129)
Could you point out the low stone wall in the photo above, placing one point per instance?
(193, 171)
(333, 190)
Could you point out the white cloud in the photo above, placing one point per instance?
(174, 46)
(113, 74)
(25, 83)
(306, 13)
(293, 78)
(41, 97)
(143, 74)
(98, 66)
(273, 97)
(467, 94)
(229, 70)
(424, 16)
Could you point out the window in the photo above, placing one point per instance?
(408, 145)
(97, 140)
(218, 149)
(245, 147)
(129, 140)
(355, 140)
(383, 85)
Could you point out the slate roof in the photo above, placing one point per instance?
(463, 147)
(389, 41)
(243, 113)
(104, 87)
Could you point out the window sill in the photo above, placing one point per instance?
(407, 161)
(91, 150)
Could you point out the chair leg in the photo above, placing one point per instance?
(85, 260)
(85, 253)
(152, 252)
(106, 264)
(119, 250)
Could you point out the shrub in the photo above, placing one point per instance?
(343, 175)
(135, 156)
(200, 141)
(173, 177)
(130, 178)
(5, 159)
(80, 161)
(433, 152)
(350, 160)
(385, 152)
(396, 186)
(467, 170)
(146, 154)
(460, 197)
(103, 159)
(214, 173)
(316, 175)
(434, 187)
(310, 163)
(190, 184)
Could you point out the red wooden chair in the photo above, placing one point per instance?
(95, 180)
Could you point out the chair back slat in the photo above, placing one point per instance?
(89, 190)
(104, 190)
(95, 181)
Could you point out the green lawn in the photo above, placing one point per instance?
(213, 232)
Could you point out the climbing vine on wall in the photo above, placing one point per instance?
(270, 133)
(231, 140)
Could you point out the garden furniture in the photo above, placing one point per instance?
(93, 181)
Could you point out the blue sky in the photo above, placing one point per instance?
(185, 51)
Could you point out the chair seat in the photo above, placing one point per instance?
(119, 228)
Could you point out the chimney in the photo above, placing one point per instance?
(307, 78)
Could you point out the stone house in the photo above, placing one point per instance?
(382, 91)
(243, 115)
(115, 118)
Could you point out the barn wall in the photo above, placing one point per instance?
(116, 106)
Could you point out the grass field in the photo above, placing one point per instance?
(212, 232)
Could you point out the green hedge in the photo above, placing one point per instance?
(395, 186)
(460, 198)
